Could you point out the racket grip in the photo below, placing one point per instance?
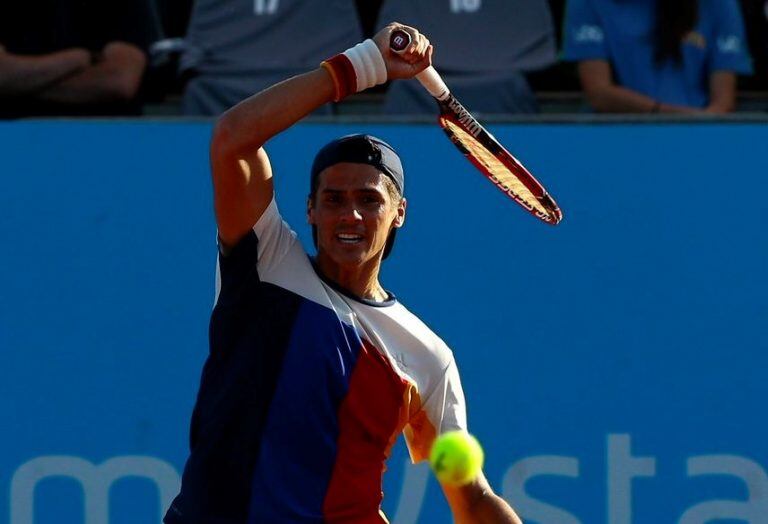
(399, 41)
(432, 82)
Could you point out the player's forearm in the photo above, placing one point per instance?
(476, 503)
(28, 75)
(492, 509)
(249, 124)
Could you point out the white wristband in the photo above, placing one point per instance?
(369, 65)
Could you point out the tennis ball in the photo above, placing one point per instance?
(456, 458)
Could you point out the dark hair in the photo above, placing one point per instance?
(674, 20)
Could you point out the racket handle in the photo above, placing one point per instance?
(399, 41)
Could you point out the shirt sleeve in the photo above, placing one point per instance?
(583, 32)
(276, 238)
(255, 256)
(443, 410)
(730, 52)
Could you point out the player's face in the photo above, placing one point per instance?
(354, 213)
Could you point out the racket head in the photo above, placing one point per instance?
(498, 165)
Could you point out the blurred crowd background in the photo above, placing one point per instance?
(200, 57)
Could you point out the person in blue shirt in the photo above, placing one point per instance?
(651, 56)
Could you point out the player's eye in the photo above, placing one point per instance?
(372, 199)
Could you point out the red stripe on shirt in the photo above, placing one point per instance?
(370, 417)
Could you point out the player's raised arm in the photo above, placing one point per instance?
(242, 177)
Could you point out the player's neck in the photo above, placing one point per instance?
(360, 280)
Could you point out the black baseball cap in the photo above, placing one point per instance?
(359, 149)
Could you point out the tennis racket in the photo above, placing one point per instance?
(480, 147)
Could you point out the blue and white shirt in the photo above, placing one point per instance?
(305, 391)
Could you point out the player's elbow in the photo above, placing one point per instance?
(223, 138)
(231, 137)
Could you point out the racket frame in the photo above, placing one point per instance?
(452, 110)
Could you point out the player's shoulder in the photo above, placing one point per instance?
(431, 342)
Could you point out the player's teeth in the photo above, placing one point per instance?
(349, 238)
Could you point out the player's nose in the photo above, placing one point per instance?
(351, 214)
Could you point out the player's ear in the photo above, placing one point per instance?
(310, 210)
(400, 216)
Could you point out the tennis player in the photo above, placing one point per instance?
(314, 367)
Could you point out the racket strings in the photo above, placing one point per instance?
(495, 168)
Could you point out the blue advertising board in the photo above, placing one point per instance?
(614, 365)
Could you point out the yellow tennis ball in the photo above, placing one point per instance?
(456, 458)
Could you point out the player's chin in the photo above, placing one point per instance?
(351, 255)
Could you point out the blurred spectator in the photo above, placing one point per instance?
(557, 86)
(235, 48)
(482, 50)
(756, 18)
(163, 79)
(73, 57)
(671, 56)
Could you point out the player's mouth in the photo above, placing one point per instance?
(349, 238)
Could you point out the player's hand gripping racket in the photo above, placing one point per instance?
(480, 147)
